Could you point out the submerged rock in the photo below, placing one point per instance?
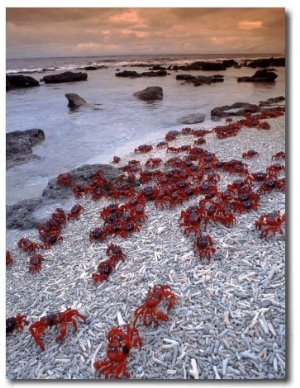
(19, 146)
(67, 76)
(267, 62)
(76, 102)
(200, 79)
(192, 118)
(260, 76)
(151, 93)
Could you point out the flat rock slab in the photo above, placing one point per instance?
(67, 76)
(192, 119)
(22, 215)
(19, 146)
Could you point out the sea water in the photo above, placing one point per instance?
(123, 122)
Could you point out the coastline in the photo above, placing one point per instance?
(225, 308)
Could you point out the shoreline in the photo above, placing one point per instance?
(228, 312)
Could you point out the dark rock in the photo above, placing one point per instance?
(192, 119)
(67, 76)
(200, 79)
(201, 65)
(157, 67)
(267, 62)
(80, 176)
(236, 109)
(158, 73)
(260, 76)
(20, 81)
(128, 73)
(134, 74)
(272, 101)
(173, 132)
(76, 102)
(230, 63)
(20, 215)
(185, 77)
(151, 93)
(95, 67)
(19, 146)
(213, 66)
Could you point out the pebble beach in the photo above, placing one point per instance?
(229, 318)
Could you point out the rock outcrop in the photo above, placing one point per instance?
(267, 62)
(22, 215)
(76, 102)
(19, 146)
(16, 81)
(80, 176)
(135, 74)
(236, 109)
(151, 93)
(200, 79)
(67, 76)
(260, 76)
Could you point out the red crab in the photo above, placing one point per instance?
(51, 238)
(263, 125)
(170, 137)
(118, 349)
(28, 245)
(280, 154)
(162, 144)
(187, 131)
(203, 245)
(65, 178)
(98, 234)
(116, 159)
(270, 184)
(62, 318)
(143, 148)
(9, 259)
(75, 211)
(58, 217)
(250, 154)
(116, 250)
(14, 323)
(271, 222)
(148, 308)
(153, 162)
(199, 141)
(104, 269)
(274, 168)
(174, 149)
(35, 263)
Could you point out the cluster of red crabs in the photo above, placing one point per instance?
(166, 184)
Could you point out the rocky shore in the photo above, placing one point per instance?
(228, 321)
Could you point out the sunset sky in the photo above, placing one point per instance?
(42, 32)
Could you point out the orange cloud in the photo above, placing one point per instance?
(129, 16)
(249, 25)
